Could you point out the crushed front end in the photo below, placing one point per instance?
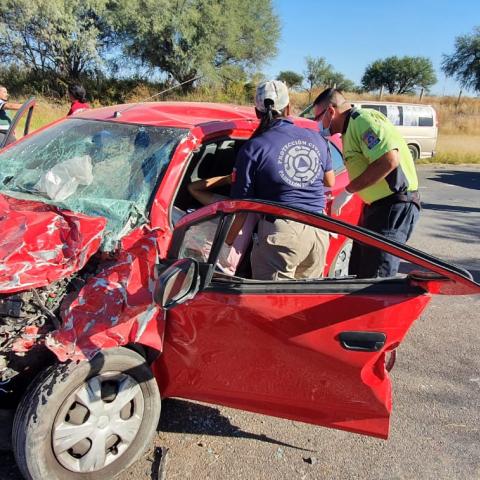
(25, 320)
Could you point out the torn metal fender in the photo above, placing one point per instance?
(116, 306)
(41, 243)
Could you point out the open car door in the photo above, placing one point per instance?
(20, 125)
(310, 350)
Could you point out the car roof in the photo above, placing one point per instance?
(171, 114)
(180, 114)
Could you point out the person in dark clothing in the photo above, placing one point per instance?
(289, 165)
(78, 97)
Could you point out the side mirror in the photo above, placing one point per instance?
(177, 284)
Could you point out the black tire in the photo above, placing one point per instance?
(414, 151)
(47, 396)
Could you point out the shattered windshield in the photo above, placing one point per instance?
(97, 168)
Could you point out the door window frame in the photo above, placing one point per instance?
(437, 269)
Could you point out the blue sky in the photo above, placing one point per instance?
(351, 34)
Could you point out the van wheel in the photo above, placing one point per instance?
(87, 420)
(414, 151)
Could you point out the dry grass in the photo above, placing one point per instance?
(459, 143)
(47, 112)
(456, 149)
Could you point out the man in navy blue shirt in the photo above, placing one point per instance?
(290, 165)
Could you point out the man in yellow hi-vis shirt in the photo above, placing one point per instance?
(381, 172)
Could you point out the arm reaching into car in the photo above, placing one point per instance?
(201, 189)
(375, 172)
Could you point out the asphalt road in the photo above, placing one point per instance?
(435, 428)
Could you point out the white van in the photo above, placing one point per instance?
(416, 122)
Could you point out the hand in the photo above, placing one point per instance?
(340, 201)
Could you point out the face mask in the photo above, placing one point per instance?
(329, 151)
(324, 132)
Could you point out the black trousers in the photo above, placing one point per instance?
(392, 220)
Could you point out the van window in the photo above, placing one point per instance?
(395, 114)
(379, 108)
(425, 121)
(416, 116)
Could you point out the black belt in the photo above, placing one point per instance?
(404, 197)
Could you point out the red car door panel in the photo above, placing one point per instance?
(281, 354)
(277, 348)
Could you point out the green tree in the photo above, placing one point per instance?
(339, 81)
(63, 37)
(317, 73)
(290, 78)
(399, 75)
(464, 62)
(195, 38)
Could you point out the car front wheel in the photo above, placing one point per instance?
(87, 420)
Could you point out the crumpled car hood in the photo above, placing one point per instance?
(40, 243)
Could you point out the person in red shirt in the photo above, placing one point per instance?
(78, 97)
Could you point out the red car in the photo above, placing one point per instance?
(106, 306)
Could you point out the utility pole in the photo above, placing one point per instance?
(458, 99)
(381, 92)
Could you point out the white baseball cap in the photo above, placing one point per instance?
(274, 90)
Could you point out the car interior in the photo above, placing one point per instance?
(217, 158)
(213, 159)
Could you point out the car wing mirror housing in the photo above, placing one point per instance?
(177, 283)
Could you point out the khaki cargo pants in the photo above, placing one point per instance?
(286, 250)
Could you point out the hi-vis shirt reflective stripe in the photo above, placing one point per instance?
(369, 136)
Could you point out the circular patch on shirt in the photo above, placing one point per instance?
(299, 163)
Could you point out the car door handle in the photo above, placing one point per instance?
(362, 341)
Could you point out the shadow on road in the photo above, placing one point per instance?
(450, 208)
(180, 416)
(465, 179)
